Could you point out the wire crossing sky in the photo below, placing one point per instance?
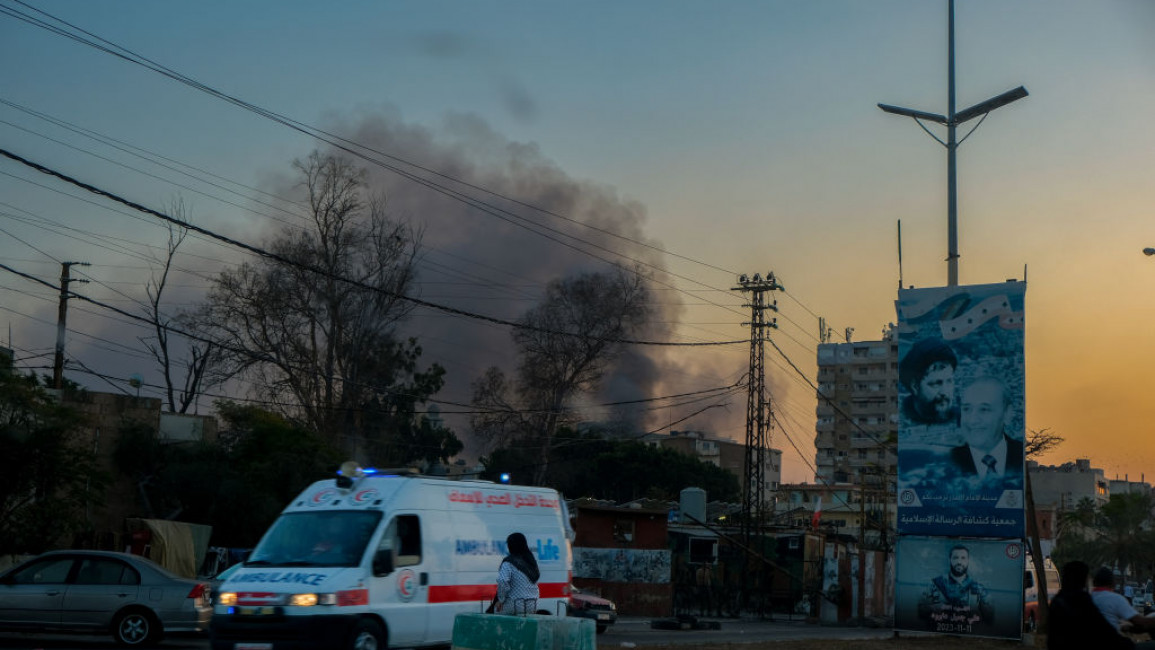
(740, 138)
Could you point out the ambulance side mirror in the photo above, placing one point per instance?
(383, 562)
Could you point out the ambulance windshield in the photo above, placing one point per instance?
(333, 538)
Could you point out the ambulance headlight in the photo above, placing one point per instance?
(227, 598)
(308, 600)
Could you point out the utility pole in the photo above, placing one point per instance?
(61, 318)
(951, 120)
(757, 404)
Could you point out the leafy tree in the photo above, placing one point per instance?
(47, 475)
(565, 345)
(237, 484)
(1116, 534)
(388, 418)
(588, 465)
(319, 334)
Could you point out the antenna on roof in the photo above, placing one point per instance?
(900, 253)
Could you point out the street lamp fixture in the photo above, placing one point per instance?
(950, 121)
(1149, 251)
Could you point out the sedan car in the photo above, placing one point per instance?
(1143, 602)
(584, 604)
(130, 597)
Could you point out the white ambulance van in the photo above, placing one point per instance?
(372, 561)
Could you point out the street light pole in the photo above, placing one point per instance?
(951, 159)
(951, 120)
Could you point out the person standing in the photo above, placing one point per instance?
(517, 578)
(1075, 623)
(1117, 609)
(705, 580)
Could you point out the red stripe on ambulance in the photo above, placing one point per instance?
(465, 593)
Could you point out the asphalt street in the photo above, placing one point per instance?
(627, 632)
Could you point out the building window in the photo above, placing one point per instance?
(703, 550)
(624, 530)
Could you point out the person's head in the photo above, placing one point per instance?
(1073, 576)
(517, 544)
(927, 371)
(1103, 577)
(960, 560)
(984, 413)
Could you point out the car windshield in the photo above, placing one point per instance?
(334, 538)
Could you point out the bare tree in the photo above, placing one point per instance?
(1039, 442)
(196, 368)
(565, 344)
(319, 334)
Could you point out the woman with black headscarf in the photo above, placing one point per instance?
(517, 578)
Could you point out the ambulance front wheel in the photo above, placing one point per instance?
(367, 635)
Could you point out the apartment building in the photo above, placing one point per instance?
(857, 425)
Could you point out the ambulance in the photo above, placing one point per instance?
(375, 560)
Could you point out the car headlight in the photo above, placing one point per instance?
(227, 598)
(308, 600)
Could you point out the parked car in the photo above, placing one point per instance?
(1143, 602)
(130, 597)
(584, 604)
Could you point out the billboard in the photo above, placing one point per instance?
(965, 587)
(961, 416)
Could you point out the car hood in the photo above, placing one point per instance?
(590, 599)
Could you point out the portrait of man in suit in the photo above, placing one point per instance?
(984, 412)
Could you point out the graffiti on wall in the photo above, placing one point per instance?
(622, 565)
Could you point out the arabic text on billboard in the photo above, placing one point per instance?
(961, 425)
(965, 587)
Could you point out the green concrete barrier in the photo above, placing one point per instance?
(498, 632)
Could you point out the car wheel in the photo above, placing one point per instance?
(367, 635)
(136, 628)
(602, 628)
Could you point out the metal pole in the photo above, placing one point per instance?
(951, 165)
(951, 121)
(61, 316)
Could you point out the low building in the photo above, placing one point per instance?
(621, 553)
(1063, 487)
(723, 453)
(867, 515)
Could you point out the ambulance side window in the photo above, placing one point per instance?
(403, 537)
(408, 544)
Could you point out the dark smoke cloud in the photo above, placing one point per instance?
(480, 55)
(499, 268)
(517, 100)
(446, 45)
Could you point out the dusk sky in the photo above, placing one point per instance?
(738, 137)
